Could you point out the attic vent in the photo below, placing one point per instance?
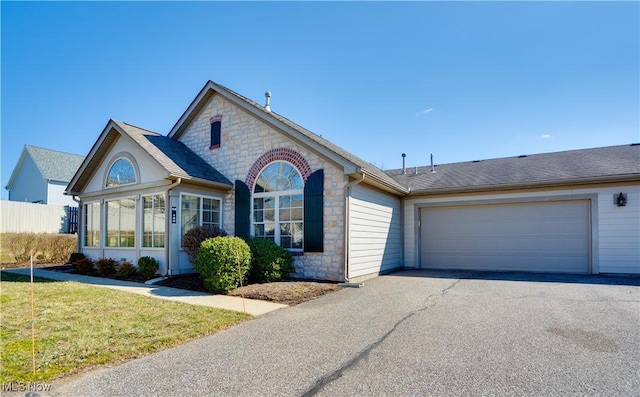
(522, 156)
(635, 144)
(475, 161)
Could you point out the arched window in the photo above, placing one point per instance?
(121, 173)
(278, 205)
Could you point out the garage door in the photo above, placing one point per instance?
(534, 237)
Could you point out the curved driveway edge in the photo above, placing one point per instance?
(410, 333)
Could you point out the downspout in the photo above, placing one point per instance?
(347, 196)
(80, 217)
(169, 233)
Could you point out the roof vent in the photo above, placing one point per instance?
(267, 106)
(475, 161)
(635, 144)
(433, 167)
(522, 156)
(404, 168)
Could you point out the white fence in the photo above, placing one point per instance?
(19, 217)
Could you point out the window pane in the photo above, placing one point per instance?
(153, 221)
(128, 222)
(278, 176)
(285, 235)
(210, 212)
(285, 215)
(199, 211)
(279, 217)
(92, 225)
(113, 223)
(121, 173)
(296, 231)
(189, 215)
(121, 223)
(296, 214)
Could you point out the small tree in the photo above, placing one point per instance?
(194, 237)
(221, 261)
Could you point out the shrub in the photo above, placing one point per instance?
(20, 245)
(218, 260)
(75, 256)
(106, 266)
(83, 266)
(148, 266)
(269, 262)
(126, 270)
(194, 237)
(58, 247)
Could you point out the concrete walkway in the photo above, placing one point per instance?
(251, 306)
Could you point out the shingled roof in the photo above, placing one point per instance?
(199, 102)
(53, 164)
(174, 156)
(613, 163)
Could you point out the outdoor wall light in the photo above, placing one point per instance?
(620, 200)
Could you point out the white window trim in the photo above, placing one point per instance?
(136, 226)
(84, 225)
(277, 195)
(133, 163)
(166, 215)
(218, 198)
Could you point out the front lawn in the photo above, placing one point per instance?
(80, 326)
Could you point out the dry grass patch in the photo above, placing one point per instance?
(80, 326)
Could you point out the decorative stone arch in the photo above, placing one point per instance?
(279, 154)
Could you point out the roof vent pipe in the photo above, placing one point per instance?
(404, 168)
(433, 167)
(267, 106)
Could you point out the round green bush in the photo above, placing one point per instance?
(221, 260)
(269, 261)
(75, 256)
(148, 266)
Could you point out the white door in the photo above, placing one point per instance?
(534, 237)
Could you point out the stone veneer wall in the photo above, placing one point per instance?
(244, 140)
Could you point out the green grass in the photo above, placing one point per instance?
(79, 326)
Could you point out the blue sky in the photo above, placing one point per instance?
(461, 80)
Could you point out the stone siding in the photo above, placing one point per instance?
(245, 143)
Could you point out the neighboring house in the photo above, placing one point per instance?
(233, 163)
(41, 176)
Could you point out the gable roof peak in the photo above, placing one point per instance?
(351, 164)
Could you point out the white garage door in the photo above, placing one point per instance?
(534, 237)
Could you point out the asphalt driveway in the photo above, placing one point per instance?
(411, 333)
